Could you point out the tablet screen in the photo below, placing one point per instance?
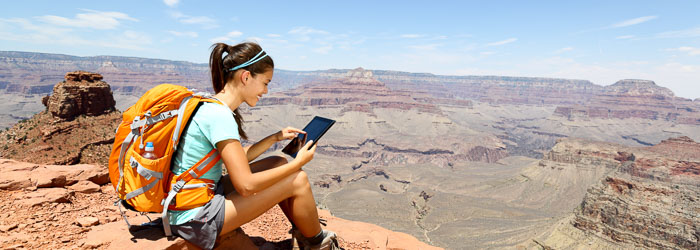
(314, 130)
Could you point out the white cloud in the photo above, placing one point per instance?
(562, 50)
(255, 39)
(323, 50)
(228, 37)
(425, 47)
(487, 53)
(102, 20)
(191, 34)
(412, 36)
(509, 40)
(204, 21)
(171, 3)
(693, 32)
(23, 30)
(304, 34)
(692, 51)
(624, 37)
(633, 21)
(274, 35)
(306, 31)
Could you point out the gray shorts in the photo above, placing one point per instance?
(204, 228)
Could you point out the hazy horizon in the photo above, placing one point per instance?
(602, 42)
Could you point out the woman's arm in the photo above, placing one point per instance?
(258, 148)
(247, 183)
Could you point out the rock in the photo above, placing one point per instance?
(16, 246)
(81, 93)
(15, 175)
(45, 195)
(376, 236)
(87, 221)
(60, 176)
(86, 187)
(6, 228)
(645, 199)
(115, 235)
(107, 189)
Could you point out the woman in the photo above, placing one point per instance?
(239, 74)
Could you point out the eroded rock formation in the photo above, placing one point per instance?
(77, 127)
(634, 99)
(651, 200)
(82, 93)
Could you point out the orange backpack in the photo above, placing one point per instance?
(147, 185)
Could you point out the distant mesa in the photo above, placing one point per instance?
(639, 87)
(81, 93)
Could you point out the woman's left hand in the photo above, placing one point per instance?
(288, 133)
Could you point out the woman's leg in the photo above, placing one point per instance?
(262, 165)
(294, 190)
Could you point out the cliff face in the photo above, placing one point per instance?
(652, 199)
(76, 127)
(635, 99)
(358, 90)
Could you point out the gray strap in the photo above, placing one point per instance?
(118, 203)
(155, 119)
(145, 172)
(164, 214)
(199, 185)
(207, 161)
(194, 175)
(141, 190)
(171, 195)
(122, 153)
(160, 117)
(180, 113)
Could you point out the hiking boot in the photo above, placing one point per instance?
(329, 242)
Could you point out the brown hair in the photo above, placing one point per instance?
(236, 55)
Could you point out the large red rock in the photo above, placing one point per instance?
(116, 235)
(44, 195)
(81, 93)
(16, 175)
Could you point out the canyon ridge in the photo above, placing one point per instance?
(455, 161)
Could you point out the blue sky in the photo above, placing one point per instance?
(601, 41)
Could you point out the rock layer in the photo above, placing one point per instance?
(82, 93)
(651, 200)
(634, 99)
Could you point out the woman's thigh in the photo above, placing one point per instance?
(240, 210)
(257, 166)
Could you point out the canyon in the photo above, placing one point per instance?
(455, 161)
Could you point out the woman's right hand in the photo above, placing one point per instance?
(306, 154)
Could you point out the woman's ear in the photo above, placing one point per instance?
(244, 77)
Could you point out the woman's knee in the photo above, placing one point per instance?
(301, 181)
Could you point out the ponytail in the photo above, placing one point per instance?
(236, 55)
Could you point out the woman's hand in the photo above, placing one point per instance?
(306, 153)
(288, 133)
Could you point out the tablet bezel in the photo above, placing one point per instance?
(330, 123)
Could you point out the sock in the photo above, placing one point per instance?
(316, 239)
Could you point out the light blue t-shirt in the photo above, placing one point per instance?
(212, 123)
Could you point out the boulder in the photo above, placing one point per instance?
(116, 235)
(44, 195)
(81, 93)
(87, 221)
(14, 175)
(86, 187)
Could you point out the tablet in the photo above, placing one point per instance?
(314, 130)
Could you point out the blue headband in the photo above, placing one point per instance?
(255, 59)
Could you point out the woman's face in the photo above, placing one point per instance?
(256, 87)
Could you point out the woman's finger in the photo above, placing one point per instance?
(308, 145)
(295, 130)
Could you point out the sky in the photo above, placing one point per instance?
(600, 41)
